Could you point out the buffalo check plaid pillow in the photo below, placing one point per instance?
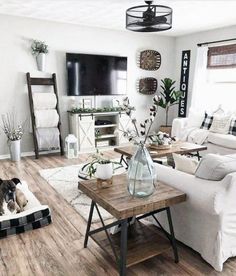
(207, 122)
(232, 127)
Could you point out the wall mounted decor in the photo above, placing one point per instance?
(149, 60)
(39, 49)
(147, 86)
(185, 65)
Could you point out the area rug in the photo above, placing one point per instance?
(65, 181)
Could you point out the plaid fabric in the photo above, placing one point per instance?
(232, 127)
(207, 122)
(30, 226)
(21, 221)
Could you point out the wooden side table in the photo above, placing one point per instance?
(138, 242)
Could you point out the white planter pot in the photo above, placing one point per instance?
(104, 171)
(15, 151)
(41, 61)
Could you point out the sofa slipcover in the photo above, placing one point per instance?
(206, 222)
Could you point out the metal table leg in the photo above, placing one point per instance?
(89, 223)
(123, 247)
(198, 156)
(122, 159)
(172, 235)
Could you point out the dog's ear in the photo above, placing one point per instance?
(1, 181)
(16, 180)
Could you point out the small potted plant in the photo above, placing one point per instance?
(14, 133)
(39, 49)
(100, 167)
(168, 97)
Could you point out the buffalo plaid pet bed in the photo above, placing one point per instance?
(33, 217)
(29, 226)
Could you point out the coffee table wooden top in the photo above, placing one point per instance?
(118, 202)
(177, 147)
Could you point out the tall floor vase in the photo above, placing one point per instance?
(15, 150)
(141, 173)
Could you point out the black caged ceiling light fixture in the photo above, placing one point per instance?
(149, 18)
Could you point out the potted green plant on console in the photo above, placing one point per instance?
(168, 97)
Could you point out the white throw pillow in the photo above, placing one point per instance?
(216, 167)
(195, 118)
(185, 164)
(220, 124)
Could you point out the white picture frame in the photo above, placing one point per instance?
(87, 103)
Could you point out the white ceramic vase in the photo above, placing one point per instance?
(104, 171)
(15, 150)
(41, 61)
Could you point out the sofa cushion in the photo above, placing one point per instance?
(216, 167)
(207, 122)
(185, 164)
(223, 140)
(220, 124)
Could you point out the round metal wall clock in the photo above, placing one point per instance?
(149, 60)
(147, 86)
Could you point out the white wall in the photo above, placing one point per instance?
(189, 42)
(16, 60)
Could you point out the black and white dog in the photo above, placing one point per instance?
(7, 192)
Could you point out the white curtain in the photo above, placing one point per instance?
(199, 82)
(212, 87)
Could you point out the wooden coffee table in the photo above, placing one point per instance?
(139, 241)
(177, 147)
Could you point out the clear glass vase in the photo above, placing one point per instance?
(141, 173)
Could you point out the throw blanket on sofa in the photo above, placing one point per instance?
(196, 135)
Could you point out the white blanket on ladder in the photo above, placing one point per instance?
(43, 101)
(48, 138)
(46, 118)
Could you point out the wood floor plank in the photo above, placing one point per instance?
(58, 248)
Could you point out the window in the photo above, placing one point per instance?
(222, 57)
(215, 82)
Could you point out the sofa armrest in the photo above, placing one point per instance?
(205, 195)
(225, 201)
(178, 125)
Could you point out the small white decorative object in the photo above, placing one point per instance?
(14, 132)
(15, 152)
(71, 143)
(41, 61)
(104, 171)
(87, 103)
(115, 102)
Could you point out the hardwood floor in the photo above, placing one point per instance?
(57, 249)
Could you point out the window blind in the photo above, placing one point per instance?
(222, 56)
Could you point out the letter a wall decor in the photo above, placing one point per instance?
(184, 77)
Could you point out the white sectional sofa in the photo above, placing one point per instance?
(215, 142)
(206, 222)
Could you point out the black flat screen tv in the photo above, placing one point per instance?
(90, 75)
